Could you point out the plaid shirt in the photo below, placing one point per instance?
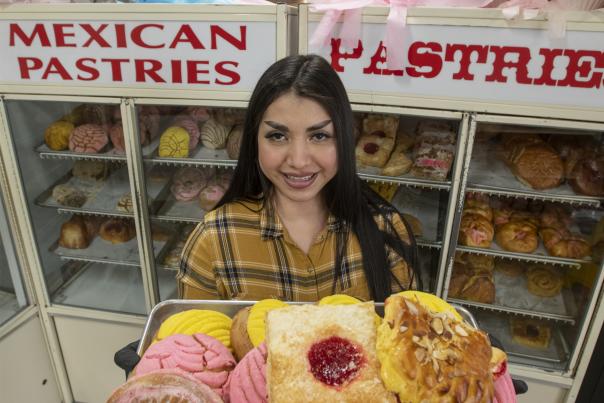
(242, 251)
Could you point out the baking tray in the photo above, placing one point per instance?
(167, 308)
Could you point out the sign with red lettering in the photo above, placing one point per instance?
(476, 64)
(166, 55)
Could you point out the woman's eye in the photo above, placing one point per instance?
(321, 136)
(275, 136)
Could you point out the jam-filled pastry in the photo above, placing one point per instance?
(88, 138)
(174, 142)
(399, 163)
(57, 135)
(377, 141)
(323, 353)
(543, 281)
(517, 236)
(475, 230)
(530, 332)
(431, 356)
(214, 134)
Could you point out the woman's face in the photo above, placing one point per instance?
(297, 148)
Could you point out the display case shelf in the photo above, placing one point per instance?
(538, 257)
(489, 174)
(505, 309)
(111, 155)
(201, 156)
(102, 196)
(101, 251)
(406, 180)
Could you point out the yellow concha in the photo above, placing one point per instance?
(431, 302)
(256, 326)
(339, 299)
(212, 323)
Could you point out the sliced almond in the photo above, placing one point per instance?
(437, 325)
(461, 331)
(420, 354)
(440, 354)
(403, 328)
(435, 366)
(412, 308)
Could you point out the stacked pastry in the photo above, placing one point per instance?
(472, 278)
(337, 350)
(557, 238)
(515, 230)
(434, 150)
(476, 228)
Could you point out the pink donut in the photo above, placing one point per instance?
(187, 183)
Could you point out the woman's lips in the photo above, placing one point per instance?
(299, 181)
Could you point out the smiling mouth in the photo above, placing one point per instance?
(300, 178)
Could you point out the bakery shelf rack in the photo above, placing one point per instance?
(406, 180)
(540, 255)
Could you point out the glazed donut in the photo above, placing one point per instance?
(475, 230)
(543, 281)
(517, 236)
(587, 177)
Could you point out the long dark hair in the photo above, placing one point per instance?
(346, 196)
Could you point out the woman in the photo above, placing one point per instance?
(297, 223)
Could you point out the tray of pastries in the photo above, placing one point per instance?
(337, 349)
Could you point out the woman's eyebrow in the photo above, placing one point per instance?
(319, 125)
(276, 126)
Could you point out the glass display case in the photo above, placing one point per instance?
(76, 182)
(13, 298)
(529, 247)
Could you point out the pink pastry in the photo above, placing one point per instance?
(191, 127)
(248, 380)
(210, 196)
(149, 123)
(200, 355)
(116, 134)
(198, 113)
(187, 183)
(88, 138)
(504, 387)
(164, 385)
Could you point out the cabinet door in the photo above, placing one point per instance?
(410, 161)
(75, 177)
(529, 250)
(13, 298)
(189, 153)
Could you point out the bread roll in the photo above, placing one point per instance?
(67, 195)
(537, 165)
(117, 230)
(76, 234)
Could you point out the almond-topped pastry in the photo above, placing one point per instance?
(429, 356)
(323, 353)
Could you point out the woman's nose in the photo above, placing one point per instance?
(299, 154)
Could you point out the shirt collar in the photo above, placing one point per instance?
(271, 226)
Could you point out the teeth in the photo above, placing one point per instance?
(299, 178)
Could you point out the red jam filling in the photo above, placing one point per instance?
(335, 361)
(371, 148)
(379, 133)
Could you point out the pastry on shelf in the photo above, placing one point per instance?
(117, 230)
(414, 223)
(191, 127)
(214, 135)
(210, 196)
(430, 356)
(479, 263)
(116, 135)
(385, 189)
(90, 170)
(475, 230)
(56, 136)
(229, 116)
(517, 236)
(98, 114)
(67, 195)
(510, 268)
(174, 142)
(565, 244)
(470, 284)
(200, 114)
(537, 165)
(78, 232)
(433, 154)
(530, 332)
(124, 204)
(554, 216)
(88, 138)
(324, 353)
(377, 140)
(187, 183)
(587, 177)
(543, 281)
(234, 142)
(477, 203)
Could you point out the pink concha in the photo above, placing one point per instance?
(248, 379)
(191, 127)
(200, 355)
(116, 134)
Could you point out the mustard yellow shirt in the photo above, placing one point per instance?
(242, 251)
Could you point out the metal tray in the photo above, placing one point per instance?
(167, 308)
